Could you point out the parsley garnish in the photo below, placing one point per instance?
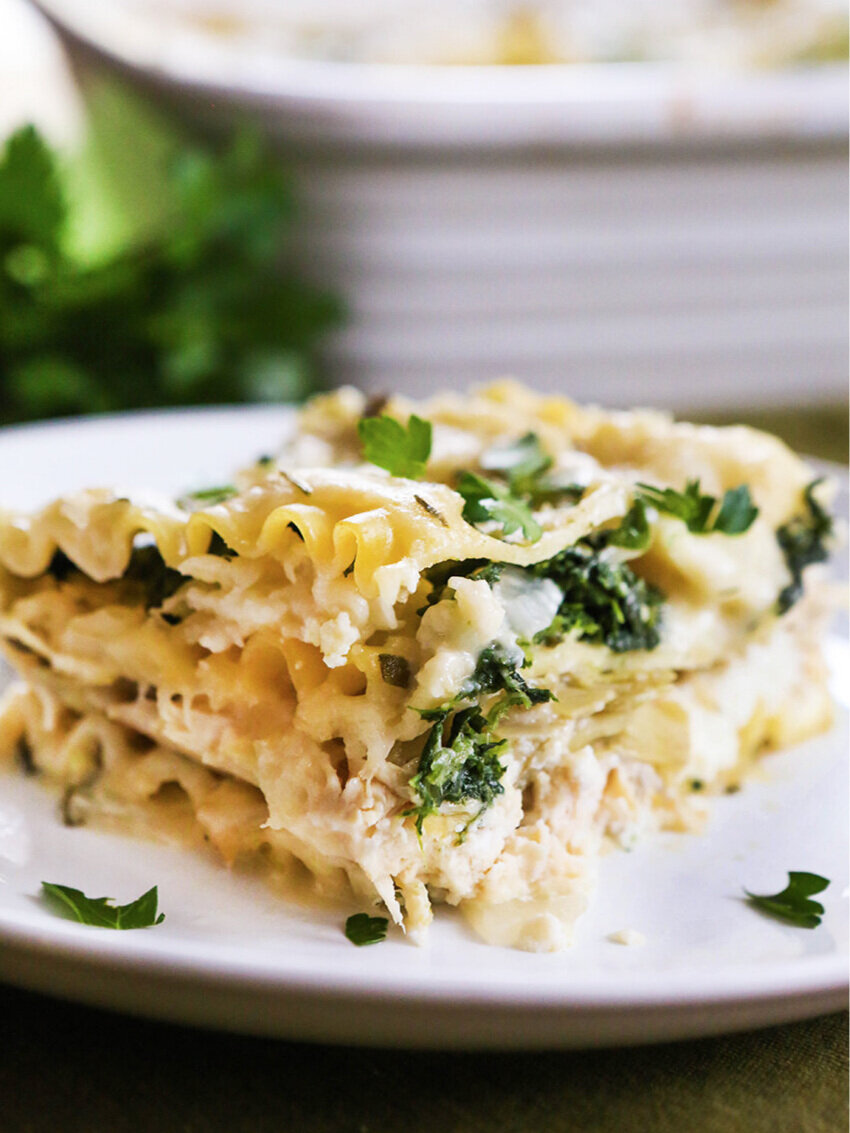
(98, 911)
(361, 929)
(793, 904)
(803, 541)
(402, 451)
(486, 500)
(180, 304)
(734, 516)
(523, 465)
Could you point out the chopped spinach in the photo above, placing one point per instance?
(496, 671)
(803, 542)
(604, 602)
(157, 581)
(459, 764)
(460, 759)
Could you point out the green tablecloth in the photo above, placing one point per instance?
(67, 1068)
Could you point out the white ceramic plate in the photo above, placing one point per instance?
(231, 955)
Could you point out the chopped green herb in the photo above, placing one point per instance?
(401, 450)
(485, 500)
(207, 497)
(98, 911)
(523, 464)
(361, 929)
(604, 602)
(793, 903)
(395, 670)
(803, 542)
(295, 482)
(431, 510)
(734, 516)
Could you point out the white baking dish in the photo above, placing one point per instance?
(624, 232)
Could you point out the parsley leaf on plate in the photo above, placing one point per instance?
(361, 929)
(99, 911)
(793, 904)
(401, 450)
(734, 516)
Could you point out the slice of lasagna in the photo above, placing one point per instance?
(442, 652)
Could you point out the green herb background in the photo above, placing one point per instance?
(148, 269)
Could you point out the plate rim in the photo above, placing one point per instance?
(747, 996)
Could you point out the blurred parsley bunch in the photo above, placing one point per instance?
(197, 310)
